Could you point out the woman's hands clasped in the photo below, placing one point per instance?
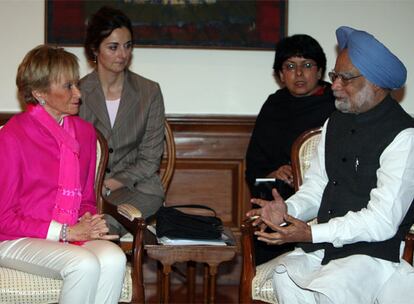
(90, 227)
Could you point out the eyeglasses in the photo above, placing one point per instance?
(305, 66)
(345, 79)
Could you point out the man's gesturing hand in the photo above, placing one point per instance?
(295, 231)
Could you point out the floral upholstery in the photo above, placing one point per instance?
(262, 288)
(22, 287)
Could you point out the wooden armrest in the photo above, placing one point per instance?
(129, 211)
(130, 217)
(135, 250)
(248, 262)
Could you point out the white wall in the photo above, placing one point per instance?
(220, 81)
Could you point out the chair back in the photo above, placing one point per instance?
(101, 162)
(302, 152)
(169, 157)
(102, 159)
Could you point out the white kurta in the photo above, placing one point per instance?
(358, 278)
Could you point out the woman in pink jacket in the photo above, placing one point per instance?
(48, 220)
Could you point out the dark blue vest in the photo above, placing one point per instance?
(354, 144)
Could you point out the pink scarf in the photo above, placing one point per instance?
(69, 193)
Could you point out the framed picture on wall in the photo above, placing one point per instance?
(234, 24)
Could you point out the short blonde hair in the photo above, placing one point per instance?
(42, 66)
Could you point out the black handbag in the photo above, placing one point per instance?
(176, 224)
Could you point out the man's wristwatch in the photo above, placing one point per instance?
(107, 191)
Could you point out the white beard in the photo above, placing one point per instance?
(365, 96)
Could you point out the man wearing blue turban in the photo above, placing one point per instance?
(360, 187)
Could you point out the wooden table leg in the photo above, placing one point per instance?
(212, 283)
(159, 282)
(206, 278)
(166, 269)
(212, 256)
(191, 276)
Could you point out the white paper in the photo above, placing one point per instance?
(167, 241)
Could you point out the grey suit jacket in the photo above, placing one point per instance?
(136, 141)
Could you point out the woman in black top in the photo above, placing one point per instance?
(305, 102)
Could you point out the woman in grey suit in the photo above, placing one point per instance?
(128, 110)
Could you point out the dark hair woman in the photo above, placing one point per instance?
(304, 102)
(129, 111)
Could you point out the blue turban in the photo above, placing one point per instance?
(372, 58)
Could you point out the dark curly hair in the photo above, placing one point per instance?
(101, 25)
(300, 45)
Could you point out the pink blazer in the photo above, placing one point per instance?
(29, 173)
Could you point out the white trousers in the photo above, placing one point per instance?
(299, 278)
(91, 273)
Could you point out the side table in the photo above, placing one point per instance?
(212, 256)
